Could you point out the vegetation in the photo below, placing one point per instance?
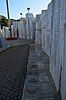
(3, 21)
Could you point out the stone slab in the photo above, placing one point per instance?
(43, 71)
(32, 78)
(43, 98)
(46, 88)
(32, 66)
(43, 78)
(32, 72)
(32, 58)
(32, 63)
(30, 98)
(40, 65)
(31, 90)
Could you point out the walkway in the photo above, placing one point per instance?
(38, 83)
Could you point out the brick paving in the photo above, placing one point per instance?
(13, 63)
(38, 83)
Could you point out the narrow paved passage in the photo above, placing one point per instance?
(13, 62)
(38, 83)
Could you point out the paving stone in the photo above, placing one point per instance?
(39, 59)
(43, 71)
(31, 98)
(34, 66)
(40, 65)
(32, 78)
(31, 90)
(43, 78)
(32, 63)
(43, 98)
(32, 54)
(32, 72)
(47, 95)
(46, 90)
(32, 58)
(38, 53)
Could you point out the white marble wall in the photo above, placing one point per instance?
(63, 49)
(15, 27)
(51, 34)
(56, 43)
(29, 25)
(1, 37)
(38, 34)
(5, 32)
(58, 50)
(46, 29)
(27, 29)
(22, 28)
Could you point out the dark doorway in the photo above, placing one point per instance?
(17, 33)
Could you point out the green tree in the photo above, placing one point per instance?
(4, 21)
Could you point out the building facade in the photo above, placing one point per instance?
(24, 27)
(43, 29)
(51, 34)
(63, 48)
(38, 34)
(56, 43)
(29, 25)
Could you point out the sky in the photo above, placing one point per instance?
(20, 6)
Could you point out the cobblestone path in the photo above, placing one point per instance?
(13, 63)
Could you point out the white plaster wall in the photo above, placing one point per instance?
(29, 25)
(15, 27)
(20, 28)
(27, 29)
(6, 32)
(38, 37)
(46, 30)
(63, 49)
(55, 67)
(38, 33)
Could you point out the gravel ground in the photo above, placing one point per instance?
(13, 67)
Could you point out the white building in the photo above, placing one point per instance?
(51, 34)
(58, 46)
(56, 43)
(38, 34)
(5, 32)
(14, 27)
(43, 29)
(2, 42)
(44, 21)
(29, 25)
(48, 28)
(22, 28)
(63, 48)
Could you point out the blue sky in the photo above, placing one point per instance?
(17, 6)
